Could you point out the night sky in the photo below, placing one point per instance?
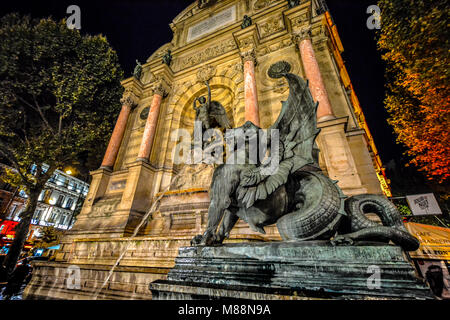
(136, 29)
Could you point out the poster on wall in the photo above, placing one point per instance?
(423, 204)
(434, 241)
(437, 275)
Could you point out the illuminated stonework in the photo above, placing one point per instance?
(142, 169)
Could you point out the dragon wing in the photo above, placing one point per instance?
(297, 129)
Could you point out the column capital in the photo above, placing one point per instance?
(302, 34)
(249, 55)
(129, 98)
(161, 86)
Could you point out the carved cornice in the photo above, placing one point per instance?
(261, 4)
(271, 26)
(264, 50)
(207, 54)
(246, 43)
(301, 19)
(151, 76)
(186, 13)
(247, 39)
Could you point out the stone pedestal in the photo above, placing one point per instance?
(116, 202)
(339, 157)
(302, 270)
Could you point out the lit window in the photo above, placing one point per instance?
(69, 203)
(37, 214)
(60, 200)
(62, 220)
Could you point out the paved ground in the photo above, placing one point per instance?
(16, 296)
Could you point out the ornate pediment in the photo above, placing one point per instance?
(206, 3)
(186, 13)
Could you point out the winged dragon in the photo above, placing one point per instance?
(303, 202)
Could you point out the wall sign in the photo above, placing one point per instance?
(423, 204)
(434, 241)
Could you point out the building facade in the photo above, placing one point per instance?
(57, 204)
(142, 206)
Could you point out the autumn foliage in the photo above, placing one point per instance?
(414, 40)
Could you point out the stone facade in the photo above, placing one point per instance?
(138, 183)
(57, 203)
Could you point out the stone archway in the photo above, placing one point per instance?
(199, 176)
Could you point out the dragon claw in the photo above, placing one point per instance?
(342, 240)
(196, 240)
(206, 239)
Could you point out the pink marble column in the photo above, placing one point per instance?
(251, 94)
(116, 138)
(316, 84)
(150, 127)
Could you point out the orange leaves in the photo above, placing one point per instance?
(414, 42)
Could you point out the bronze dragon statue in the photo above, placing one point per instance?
(304, 203)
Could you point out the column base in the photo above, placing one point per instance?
(326, 118)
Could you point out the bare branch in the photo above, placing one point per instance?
(37, 109)
(59, 125)
(42, 114)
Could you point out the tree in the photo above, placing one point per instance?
(414, 39)
(59, 97)
(48, 235)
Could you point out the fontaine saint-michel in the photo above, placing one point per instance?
(152, 227)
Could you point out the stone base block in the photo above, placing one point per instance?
(143, 260)
(57, 281)
(291, 270)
